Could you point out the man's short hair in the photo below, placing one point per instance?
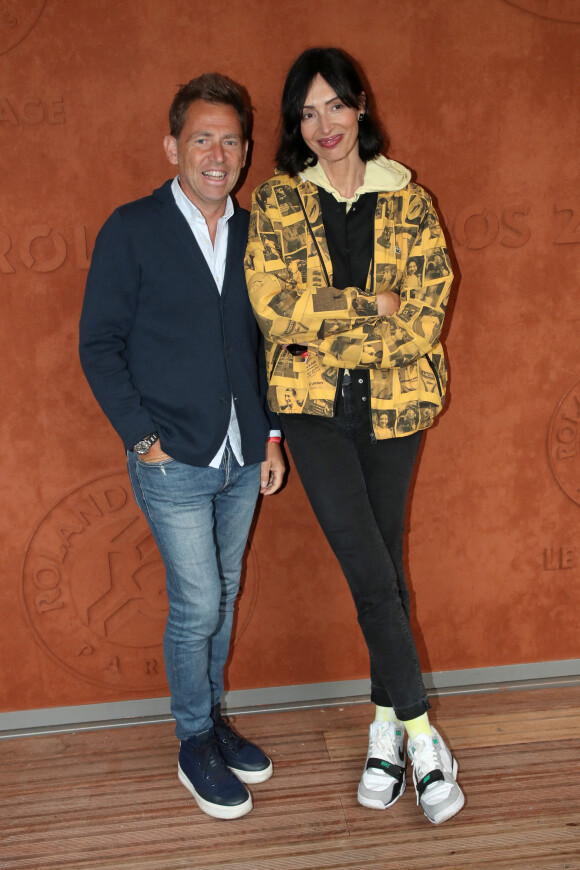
(213, 88)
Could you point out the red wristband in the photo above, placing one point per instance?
(275, 439)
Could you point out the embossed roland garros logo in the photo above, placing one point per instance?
(17, 18)
(564, 443)
(94, 588)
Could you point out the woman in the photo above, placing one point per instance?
(330, 238)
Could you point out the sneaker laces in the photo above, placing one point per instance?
(212, 764)
(224, 732)
(425, 758)
(382, 744)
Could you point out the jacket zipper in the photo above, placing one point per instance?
(370, 407)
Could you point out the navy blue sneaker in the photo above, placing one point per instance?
(246, 760)
(203, 771)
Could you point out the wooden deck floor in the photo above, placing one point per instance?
(111, 799)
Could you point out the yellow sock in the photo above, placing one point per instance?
(385, 714)
(417, 726)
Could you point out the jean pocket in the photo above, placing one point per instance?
(158, 463)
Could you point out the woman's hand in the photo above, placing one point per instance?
(388, 303)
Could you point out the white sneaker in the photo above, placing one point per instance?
(434, 772)
(383, 779)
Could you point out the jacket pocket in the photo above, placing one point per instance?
(275, 357)
(433, 368)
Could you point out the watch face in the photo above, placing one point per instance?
(145, 445)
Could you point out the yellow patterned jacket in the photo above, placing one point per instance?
(289, 276)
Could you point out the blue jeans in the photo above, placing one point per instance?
(200, 519)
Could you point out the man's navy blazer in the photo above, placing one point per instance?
(162, 349)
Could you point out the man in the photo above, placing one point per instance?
(291, 403)
(170, 347)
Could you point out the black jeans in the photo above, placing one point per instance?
(358, 491)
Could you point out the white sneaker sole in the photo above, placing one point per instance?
(450, 811)
(215, 810)
(251, 777)
(454, 808)
(377, 804)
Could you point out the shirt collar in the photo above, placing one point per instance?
(190, 211)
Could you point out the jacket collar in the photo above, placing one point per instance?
(177, 231)
(307, 192)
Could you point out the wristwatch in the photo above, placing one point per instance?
(145, 445)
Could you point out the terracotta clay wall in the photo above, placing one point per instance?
(479, 99)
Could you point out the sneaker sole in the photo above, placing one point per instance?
(251, 777)
(454, 808)
(216, 810)
(378, 804)
(450, 811)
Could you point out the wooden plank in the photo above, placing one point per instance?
(111, 799)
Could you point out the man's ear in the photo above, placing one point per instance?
(170, 145)
(246, 146)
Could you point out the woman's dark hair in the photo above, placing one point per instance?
(341, 73)
(212, 88)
